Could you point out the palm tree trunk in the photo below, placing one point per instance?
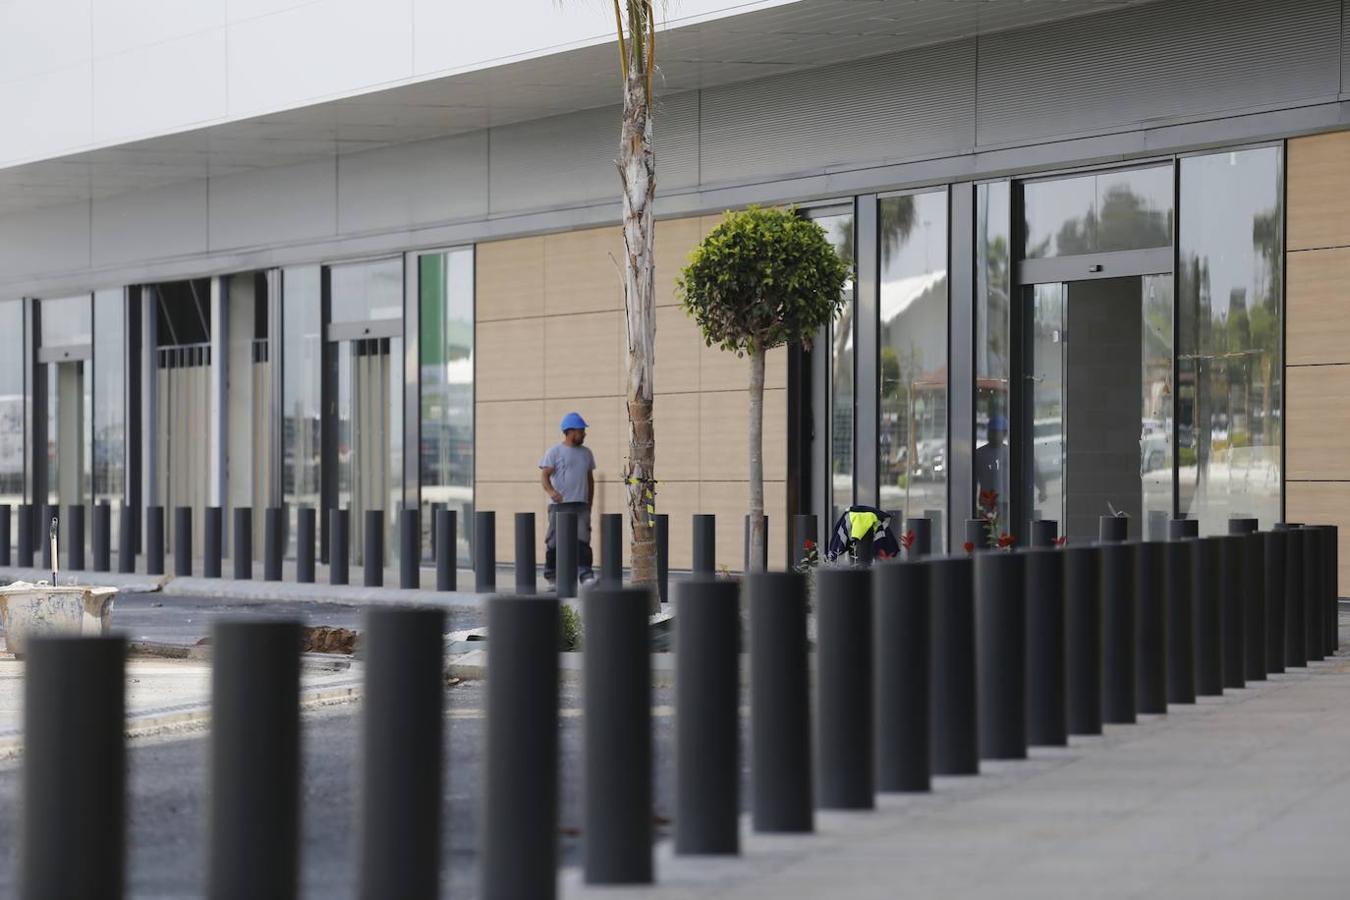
(757, 460)
(637, 171)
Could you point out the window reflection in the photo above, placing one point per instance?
(912, 433)
(993, 219)
(839, 230)
(11, 406)
(110, 354)
(1229, 360)
(1109, 211)
(300, 392)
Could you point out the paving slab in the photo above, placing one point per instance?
(1245, 795)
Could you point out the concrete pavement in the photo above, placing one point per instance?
(1247, 795)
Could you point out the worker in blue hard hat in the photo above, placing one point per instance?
(567, 473)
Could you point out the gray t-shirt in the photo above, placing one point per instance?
(570, 467)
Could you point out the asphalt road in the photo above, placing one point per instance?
(168, 801)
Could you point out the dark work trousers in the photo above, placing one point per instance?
(584, 559)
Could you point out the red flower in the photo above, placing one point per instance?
(1061, 540)
(970, 548)
(1006, 540)
(882, 554)
(907, 539)
(809, 545)
(988, 499)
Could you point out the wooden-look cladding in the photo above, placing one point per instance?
(551, 339)
(1317, 334)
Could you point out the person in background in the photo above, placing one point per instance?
(567, 473)
(991, 463)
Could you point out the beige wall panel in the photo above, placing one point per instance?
(510, 279)
(1324, 503)
(1318, 189)
(724, 438)
(675, 239)
(729, 501)
(1317, 324)
(721, 370)
(583, 271)
(677, 437)
(1318, 418)
(607, 429)
(509, 440)
(506, 499)
(679, 351)
(680, 501)
(581, 355)
(509, 360)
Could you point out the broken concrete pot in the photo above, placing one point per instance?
(28, 609)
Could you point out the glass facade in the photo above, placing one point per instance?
(1230, 332)
(110, 420)
(993, 339)
(839, 401)
(11, 408)
(445, 297)
(1129, 209)
(301, 393)
(913, 285)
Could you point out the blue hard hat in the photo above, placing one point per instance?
(573, 420)
(998, 423)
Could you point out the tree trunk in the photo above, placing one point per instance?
(757, 561)
(637, 172)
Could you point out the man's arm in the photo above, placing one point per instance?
(545, 476)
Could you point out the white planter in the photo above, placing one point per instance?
(38, 609)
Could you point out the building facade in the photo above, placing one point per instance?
(364, 256)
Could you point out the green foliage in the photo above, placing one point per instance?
(569, 628)
(761, 279)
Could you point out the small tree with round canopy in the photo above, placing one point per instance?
(761, 279)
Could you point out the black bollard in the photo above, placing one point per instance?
(255, 759)
(661, 532)
(1157, 525)
(1118, 601)
(1001, 623)
(780, 719)
(74, 770)
(1275, 544)
(403, 736)
(524, 558)
(976, 535)
(922, 544)
(1150, 630)
(804, 529)
(182, 541)
(954, 743)
(938, 534)
(50, 514)
(339, 544)
(1083, 626)
(1314, 617)
(73, 535)
(1331, 586)
(1207, 613)
(305, 526)
(126, 540)
(242, 549)
(845, 775)
(372, 558)
(1178, 582)
(1253, 588)
(154, 540)
(764, 543)
(485, 551)
(705, 544)
(1047, 710)
(273, 545)
(447, 550)
(1044, 532)
(100, 536)
(1233, 615)
(410, 550)
(6, 557)
(565, 539)
(1113, 529)
(617, 735)
(1178, 529)
(864, 550)
(518, 826)
(25, 541)
(213, 541)
(611, 549)
(1295, 629)
(900, 685)
(707, 717)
